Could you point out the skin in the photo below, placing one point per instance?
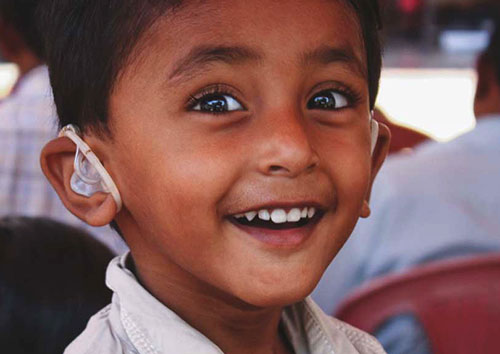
(487, 100)
(182, 173)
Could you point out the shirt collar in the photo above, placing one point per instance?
(153, 328)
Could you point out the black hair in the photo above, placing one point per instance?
(21, 14)
(88, 42)
(368, 12)
(51, 283)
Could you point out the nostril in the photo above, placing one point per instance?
(312, 166)
(275, 168)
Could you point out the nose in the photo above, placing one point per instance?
(285, 146)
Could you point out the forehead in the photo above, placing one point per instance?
(273, 28)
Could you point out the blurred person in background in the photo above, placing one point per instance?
(27, 122)
(440, 202)
(402, 138)
(51, 283)
(19, 39)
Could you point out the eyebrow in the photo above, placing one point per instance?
(326, 55)
(199, 57)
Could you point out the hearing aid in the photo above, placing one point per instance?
(374, 133)
(89, 176)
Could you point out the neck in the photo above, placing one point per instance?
(233, 325)
(26, 61)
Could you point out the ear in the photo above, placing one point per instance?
(378, 158)
(56, 161)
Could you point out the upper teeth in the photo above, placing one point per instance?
(279, 216)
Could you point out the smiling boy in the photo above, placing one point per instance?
(238, 135)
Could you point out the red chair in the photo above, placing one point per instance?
(456, 301)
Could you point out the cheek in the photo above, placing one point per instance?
(354, 177)
(178, 185)
(349, 169)
(348, 162)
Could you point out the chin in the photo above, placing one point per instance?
(278, 294)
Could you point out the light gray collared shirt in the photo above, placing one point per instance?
(135, 322)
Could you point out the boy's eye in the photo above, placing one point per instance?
(328, 100)
(217, 103)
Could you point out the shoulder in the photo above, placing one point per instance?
(101, 336)
(362, 341)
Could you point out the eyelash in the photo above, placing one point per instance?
(352, 97)
(217, 89)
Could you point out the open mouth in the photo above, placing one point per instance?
(279, 218)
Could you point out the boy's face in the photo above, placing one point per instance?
(237, 106)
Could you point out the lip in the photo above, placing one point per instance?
(284, 238)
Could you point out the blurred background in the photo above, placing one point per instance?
(430, 49)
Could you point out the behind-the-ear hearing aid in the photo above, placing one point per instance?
(374, 133)
(89, 176)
